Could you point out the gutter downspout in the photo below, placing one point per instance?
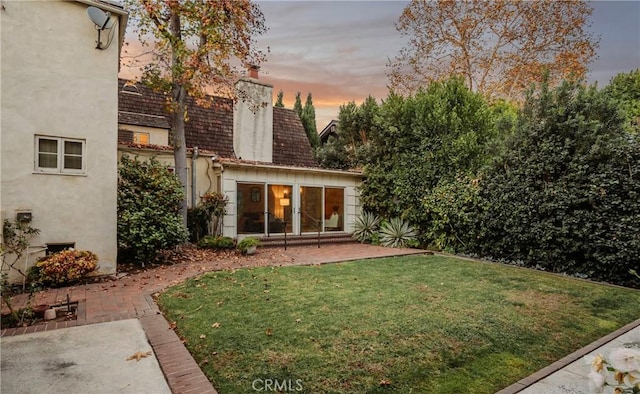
(194, 158)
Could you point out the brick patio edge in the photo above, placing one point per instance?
(181, 371)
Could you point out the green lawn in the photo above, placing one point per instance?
(422, 324)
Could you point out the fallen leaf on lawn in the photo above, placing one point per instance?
(138, 355)
(202, 336)
(298, 320)
(173, 325)
(269, 332)
(385, 382)
(215, 325)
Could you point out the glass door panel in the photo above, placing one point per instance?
(250, 204)
(280, 203)
(334, 209)
(310, 208)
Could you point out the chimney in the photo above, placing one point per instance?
(253, 118)
(253, 71)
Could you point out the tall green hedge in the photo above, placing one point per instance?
(420, 142)
(565, 193)
(149, 198)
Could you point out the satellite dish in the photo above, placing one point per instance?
(101, 19)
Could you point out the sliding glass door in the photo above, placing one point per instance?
(250, 208)
(280, 208)
(276, 208)
(310, 209)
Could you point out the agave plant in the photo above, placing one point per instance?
(365, 226)
(397, 233)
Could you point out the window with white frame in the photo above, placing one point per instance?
(59, 155)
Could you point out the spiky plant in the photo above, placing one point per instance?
(366, 225)
(397, 233)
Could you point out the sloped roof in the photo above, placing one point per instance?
(290, 143)
(210, 126)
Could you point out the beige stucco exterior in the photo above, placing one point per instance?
(55, 83)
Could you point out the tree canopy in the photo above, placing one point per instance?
(307, 115)
(195, 45)
(499, 47)
(309, 122)
(417, 141)
(279, 100)
(624, 88)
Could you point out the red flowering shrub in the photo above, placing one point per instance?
(65, 267)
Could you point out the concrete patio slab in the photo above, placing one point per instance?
(84, 360)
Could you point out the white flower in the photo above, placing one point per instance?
(625, 360)
(632, 379)
(596, 382)
(596, 362)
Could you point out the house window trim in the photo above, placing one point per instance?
(60, 156)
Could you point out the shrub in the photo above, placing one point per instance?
(65, 267)
(149, 200)
(217, 242)
(196, 224)
(206, 218)
(452, 211)
(397, 233)
(366, 225)
(248, 242)
(564, 196)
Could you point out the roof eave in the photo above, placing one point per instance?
(122, 15)
(229, 163)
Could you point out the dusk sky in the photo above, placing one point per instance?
(338, 50)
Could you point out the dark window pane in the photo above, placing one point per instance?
(47, 146)
(73, 162)
(72, 148)
(47, 160)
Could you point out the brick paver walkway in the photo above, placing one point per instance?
(131, 297)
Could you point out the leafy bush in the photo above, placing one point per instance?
(366, 225)
(197, 224)
(16, 238)
(149, 199)
(565, 195)
(452, 214)
(206, 217)
(247, 243)
(397, 233)
(420, 141)
(217, 242)
(64, 268)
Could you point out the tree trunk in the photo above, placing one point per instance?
(180, 146)
(178, 116)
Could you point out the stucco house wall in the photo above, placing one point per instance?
(56, 84)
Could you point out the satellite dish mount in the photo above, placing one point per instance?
(102, 21)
